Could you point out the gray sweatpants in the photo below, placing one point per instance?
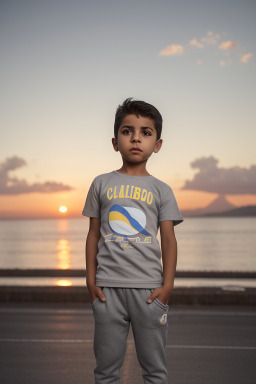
(149, 325)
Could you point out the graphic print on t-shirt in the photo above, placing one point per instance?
(128, 224)
(126, 221)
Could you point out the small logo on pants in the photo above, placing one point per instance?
(163, 319)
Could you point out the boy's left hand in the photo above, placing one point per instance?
(162, 293)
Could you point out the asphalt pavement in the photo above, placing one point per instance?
(53, 343)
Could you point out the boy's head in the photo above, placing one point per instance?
(138, 108)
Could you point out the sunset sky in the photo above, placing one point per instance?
(67, 65)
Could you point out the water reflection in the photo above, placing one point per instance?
(63, 254)
(62, 225)
(63, 283)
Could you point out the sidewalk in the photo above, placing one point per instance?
(53, 344)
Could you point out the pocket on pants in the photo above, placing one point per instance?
(152, 315)
(102, 310)
(159, 303)
(95, 301)
(161, 311)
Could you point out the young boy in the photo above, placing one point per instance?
(125, 279)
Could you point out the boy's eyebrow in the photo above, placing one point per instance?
(130, 126)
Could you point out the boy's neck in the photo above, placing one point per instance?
(134, 171)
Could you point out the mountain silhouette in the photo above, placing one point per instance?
(221, 207)
(220, 204)
(246, 211)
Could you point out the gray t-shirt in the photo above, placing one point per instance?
(130, 209)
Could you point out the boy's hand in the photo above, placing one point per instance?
(162, 293)
(96, 292)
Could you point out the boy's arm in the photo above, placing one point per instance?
(169, 253)
(169, 256)
(91, 251)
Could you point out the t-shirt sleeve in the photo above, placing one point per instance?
(92, 202)
(169, 209)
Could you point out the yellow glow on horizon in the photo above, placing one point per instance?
(63, 209)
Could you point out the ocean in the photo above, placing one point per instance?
(204, 244)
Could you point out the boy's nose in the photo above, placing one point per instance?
(135, 137)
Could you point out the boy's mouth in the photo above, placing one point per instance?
(136, 149)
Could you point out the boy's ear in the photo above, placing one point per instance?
(114, 143)
(158, 145)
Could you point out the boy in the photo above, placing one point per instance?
(123, 257)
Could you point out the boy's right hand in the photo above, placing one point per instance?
(96, 292)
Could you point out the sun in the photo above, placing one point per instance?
(63, 209)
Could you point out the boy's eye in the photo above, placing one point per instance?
(146, 133)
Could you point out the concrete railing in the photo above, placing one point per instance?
(82, 273)
(245, 296)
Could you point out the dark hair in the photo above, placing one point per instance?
(138, 108)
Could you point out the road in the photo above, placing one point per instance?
(52, 343)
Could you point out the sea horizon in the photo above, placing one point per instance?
(204, 244)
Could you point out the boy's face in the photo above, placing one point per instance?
(136, 132)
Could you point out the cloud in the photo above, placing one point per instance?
(230, 181)
(172, 50)
(227, 45)
(245, 58)
(195, 43)
(210, 38)
(14, 186)
(224, 63)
